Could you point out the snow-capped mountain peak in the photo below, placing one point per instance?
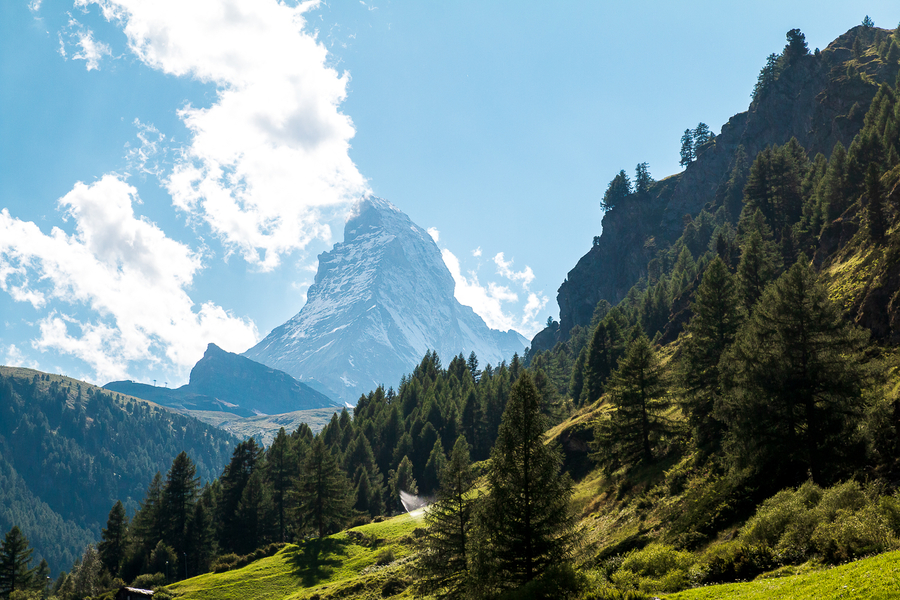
(381, 299)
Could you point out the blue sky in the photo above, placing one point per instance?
(170, 170)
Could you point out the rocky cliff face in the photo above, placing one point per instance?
(814, 99)
(380, 301)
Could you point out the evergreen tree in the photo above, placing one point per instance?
(281, 470)
(712, 330)
(256, 515)
(868, 23)
(179, 495)
(401, 480)
(642, 181)
(875, 197)
(443, 563)
(687, 148)
(701, 135)
(607, 344)
(833, 191)
(149, 522)
(795, 377)
(233, 480)
(759, 261)
(796, 46)
(638, 391)
(322, 493)
(86, 577)
(200, 539)
(576, 383)
(531, 526)
(15, 556)
(431, 474)
(734, 189)
(618, 191)
(767, 76)
(472, 364)
(115, 539)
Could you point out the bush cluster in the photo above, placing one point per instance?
(228, 562)
(844, 522)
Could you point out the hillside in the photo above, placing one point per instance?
(69, 450)
(819, 99)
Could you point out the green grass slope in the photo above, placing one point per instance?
(872, 578)
(363, 562)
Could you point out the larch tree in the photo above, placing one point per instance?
(15, 556)
(115, 539)
(444, 562)
(179, 495)
(640, 399)
(322, 492)
(528, 516)
(281, 471)
(711, 330)
(794, 383)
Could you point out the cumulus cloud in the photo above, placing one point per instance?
(434, 233)
(89, 50)
(504, 268)
(490, 302)
(125, 270)
(15, 358)
(477, 252)
(267, 164)
(34, 6)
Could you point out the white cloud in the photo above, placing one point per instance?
(34, 6)
(15, 358)
(125, 270)
(90, 50)
(504, 268)
(268, 161)
(477, 252)
(490, 301)
(434, 233)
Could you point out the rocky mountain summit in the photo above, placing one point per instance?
(226, 382)
(819, 98)
(381, 299)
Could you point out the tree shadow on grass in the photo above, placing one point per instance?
(315, 560)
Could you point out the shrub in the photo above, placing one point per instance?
(775, 516)
(734, 562)
(148, 581)
(559, 582)
(385, 557)
(848, 496)
(656, 560)
(853, 534)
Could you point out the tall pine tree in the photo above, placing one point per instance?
(795, 377)
(711, 331)
(531, 526)
(444, 562)
(322, 492)
(640, 398)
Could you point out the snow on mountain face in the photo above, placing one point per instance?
(380, 301)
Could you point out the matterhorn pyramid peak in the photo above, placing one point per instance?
(381, 299)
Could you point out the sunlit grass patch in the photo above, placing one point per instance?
(872, 578)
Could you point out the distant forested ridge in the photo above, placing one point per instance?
(68, 450)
